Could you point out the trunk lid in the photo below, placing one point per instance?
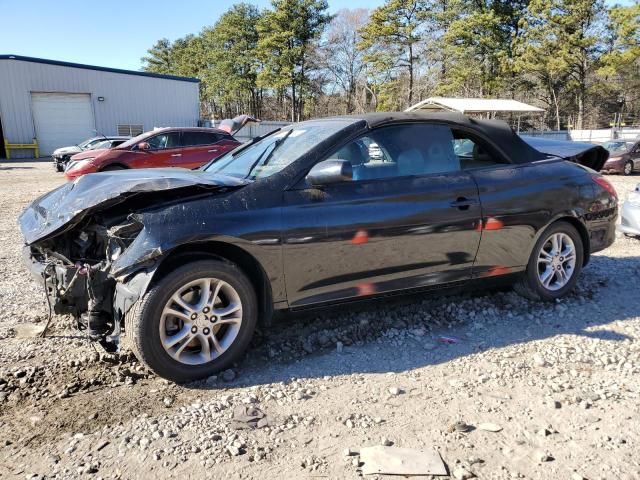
(233, 125)
(587, 154)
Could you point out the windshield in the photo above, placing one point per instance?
(617, 146)
(100, 145)
(87, 143)
(275, 152)
(135, 140)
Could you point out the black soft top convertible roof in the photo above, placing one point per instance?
(498, 132)
(517, 149)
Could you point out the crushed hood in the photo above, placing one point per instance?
(587, 154)
(67, 205)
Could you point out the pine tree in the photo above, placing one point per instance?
(393, 37)
(286, 36)
(159, 58)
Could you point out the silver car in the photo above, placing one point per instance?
(630, 214)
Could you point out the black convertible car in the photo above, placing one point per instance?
(184, 263)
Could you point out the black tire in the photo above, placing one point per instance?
(530, 286)
(59, 168)
(142, 325)
(628, 168)
(112, 168)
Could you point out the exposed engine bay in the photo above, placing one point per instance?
(77, 266)
(77, 253)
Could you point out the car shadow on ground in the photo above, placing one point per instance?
(412, 338)
(9, 167)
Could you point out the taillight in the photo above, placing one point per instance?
(605, 184)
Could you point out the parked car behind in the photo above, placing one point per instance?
(62, 155)
(163, 147)
(188, 147)
(624, 156)
(186, 263)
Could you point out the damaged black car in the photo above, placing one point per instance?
(182, 265)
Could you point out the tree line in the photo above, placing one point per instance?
(577, 59)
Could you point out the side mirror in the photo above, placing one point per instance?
(330, 171)
(143, 146)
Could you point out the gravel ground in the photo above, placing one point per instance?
(560, 382)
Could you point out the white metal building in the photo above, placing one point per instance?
(61, 103)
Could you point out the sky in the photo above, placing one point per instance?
(114, 33)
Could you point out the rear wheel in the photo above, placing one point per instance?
(628, 168)
(554, 265)
(195, 321)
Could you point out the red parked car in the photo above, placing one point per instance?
(164, 147)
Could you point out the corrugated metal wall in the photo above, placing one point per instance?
(128, 99)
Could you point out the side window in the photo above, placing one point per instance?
(200, 138)
(473, 152)
(401, 151)
(165, 140)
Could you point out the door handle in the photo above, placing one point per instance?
(176, 154)
(463, 203)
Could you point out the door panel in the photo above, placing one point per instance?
(166, 151)
(167, 157)
(197, 155)
(369, 237)
(517, 201)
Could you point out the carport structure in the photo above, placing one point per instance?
(486, 107)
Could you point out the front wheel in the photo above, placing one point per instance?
(195, 321)
(554, 265)
(628, 168)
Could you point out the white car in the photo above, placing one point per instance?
(375, 152)
(630, 214)
(62, 155)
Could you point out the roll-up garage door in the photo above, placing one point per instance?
(62, 119)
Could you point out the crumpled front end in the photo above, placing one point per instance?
(79, 239)
(74, 269)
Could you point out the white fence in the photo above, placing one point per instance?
(590, 136)
(550, 134)
(595, 136)
(629, 133)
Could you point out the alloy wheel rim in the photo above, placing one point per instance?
(627, 168)
(200, 321)
(556, 261)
